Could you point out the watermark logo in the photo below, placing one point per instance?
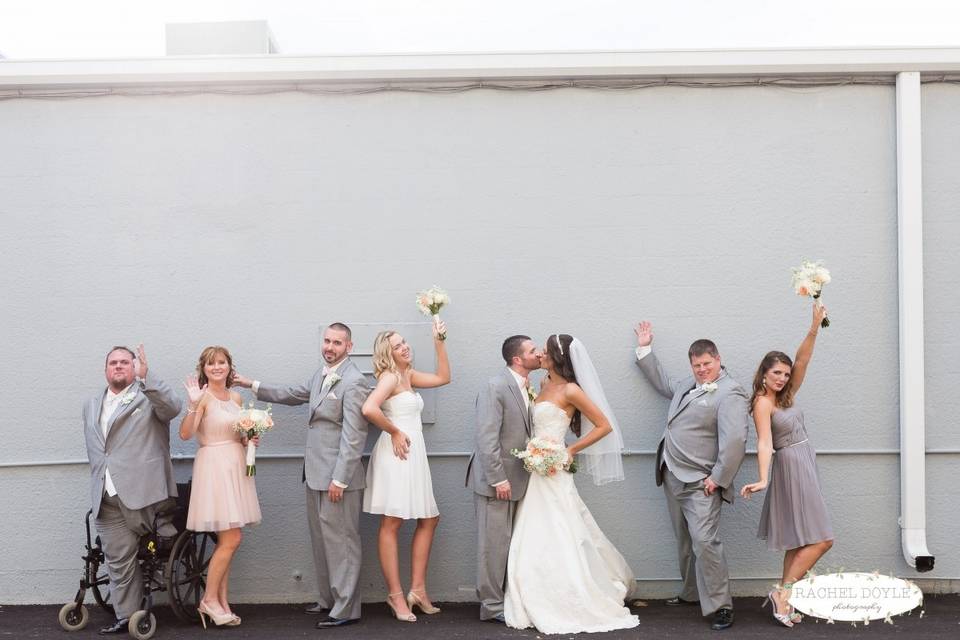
(855, 596)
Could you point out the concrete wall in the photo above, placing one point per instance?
(251, 221)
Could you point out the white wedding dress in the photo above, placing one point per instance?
(563, 575)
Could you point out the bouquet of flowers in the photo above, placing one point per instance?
(809, 279)
(251, 423)
(430, 302)
(545, 456)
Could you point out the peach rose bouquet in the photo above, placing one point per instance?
(430, 302)
(545, 457)
(808, 281)
(253, 422)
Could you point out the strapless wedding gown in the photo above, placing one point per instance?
(563, 575)
(395, 487)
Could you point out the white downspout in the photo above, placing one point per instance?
(913, 533)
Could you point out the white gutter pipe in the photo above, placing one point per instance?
(913, 533)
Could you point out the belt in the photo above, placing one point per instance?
(791, 445)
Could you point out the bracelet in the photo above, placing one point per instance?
(812, 334)
(189, 410)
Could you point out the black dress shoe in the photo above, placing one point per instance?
(722, 619)
(317, 609)
(328, 621)
(120, 626)
(676, 602)
(497, 618)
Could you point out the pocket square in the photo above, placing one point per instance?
(331, 396)
(135, 411)
(702, 403)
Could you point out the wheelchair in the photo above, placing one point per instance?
(176, 565)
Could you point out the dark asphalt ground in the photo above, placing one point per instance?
(940, 621)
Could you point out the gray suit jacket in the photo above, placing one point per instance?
(706, 432)
(337, 429)
(503, 422)
(137, 446)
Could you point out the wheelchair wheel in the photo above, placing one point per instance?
(185, 575)
(99, 583)
(72, 617)
(142, 625)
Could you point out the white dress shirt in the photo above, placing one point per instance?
(110, 403)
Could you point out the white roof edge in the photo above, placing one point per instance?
(454, 66)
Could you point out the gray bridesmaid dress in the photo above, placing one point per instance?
(794, 513)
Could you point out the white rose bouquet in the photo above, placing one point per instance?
(251, 423)
(808, 281)
(545, 457)
(430, 302)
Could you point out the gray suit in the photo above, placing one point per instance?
(706, 436)
(503, 422)
(335, 437)
(136, 449)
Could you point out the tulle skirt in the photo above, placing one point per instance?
(222, 496)
(794, 513)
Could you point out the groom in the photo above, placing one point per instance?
(504, 412)
(332, 471)
(699, 454)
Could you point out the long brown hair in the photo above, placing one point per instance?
(206, 356)
(564, 367)
(785, 395)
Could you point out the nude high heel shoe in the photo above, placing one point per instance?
(402, 618)
(782, 618)
(219, 619)
(414, 600)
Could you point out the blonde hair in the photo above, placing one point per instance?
(383, 355)
(206, 356)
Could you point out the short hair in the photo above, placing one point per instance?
(106, 359)
(339, 326)
(701, 347)
(512, 347)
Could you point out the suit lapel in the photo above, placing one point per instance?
(97, 410)
(515, 391)
(685, 401)
(323, 392)
(121, 407)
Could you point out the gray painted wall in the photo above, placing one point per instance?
(251, 221)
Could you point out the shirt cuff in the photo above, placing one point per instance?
(339, 484)
(643, 352)
(497, 484)
(255, 386)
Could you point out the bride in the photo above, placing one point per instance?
(563, 575)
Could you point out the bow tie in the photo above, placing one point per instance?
(326, 371)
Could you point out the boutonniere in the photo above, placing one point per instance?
(709, 387)
(128, 397)
(531, 393)
(332, 379)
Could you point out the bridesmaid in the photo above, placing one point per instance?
(794, 516)
(222, 497)
(398, 476)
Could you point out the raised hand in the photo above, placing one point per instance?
(819, 313)
(439, 330)
(141, 362)
(194, 391)
(401, 444)
(644, 332)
